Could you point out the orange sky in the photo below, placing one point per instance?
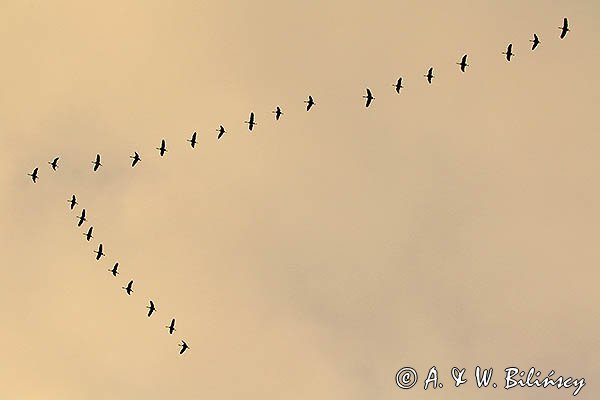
(451, 225)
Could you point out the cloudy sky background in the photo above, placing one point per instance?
(452, 225)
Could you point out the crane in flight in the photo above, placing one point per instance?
(99, 252)
(136, 158)
(34, 175)
(429, 75)
(81, 218)
(251, 122)
(97, 163)
(463, 63)
(54, 163)
(73, 202)
(398, 85)
(564, 29)
(508, 52)
(535, 41)
(278, 113)
(128, 288)
(309, 103)
(183, 346)
(171, 327)
(162, 149)
(114, 269)
(221, 131)
(151, 308)
(193, 140)
(369, 98)
(88, 235)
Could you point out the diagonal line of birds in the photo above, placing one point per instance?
(278, 112)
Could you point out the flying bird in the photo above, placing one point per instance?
(251, 122)
(564, 29)
(88, 235)
(113, 270)
(162, 149)
(193, 140)
(369, 97)
(34, 175)
(535, 41)
(309, 103)
(128, 288)
(429, 75)
(171, 327)
(221, 131)
(183, 346)
(151, 308)
(99, 252)
(81, 218)
(508, 52)
(97, 163)
(136, 158)
(463, 63)
(398, 85)
(54, 163)
(278, 113)
(73, 202)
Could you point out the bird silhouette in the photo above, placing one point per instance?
(183, 346)
(508, 52)
(162, 149)
(128, 288)
(136, 158)
(54, 163)
(463, 63)
(429, 75)
(398, 85)
(73, 202)
(97, 163)
(81, 218)
(193, 140)
(278, 113)
(88, 235)
(564, 29)
(369, 98)
(251, 122)
(309, 103)
(221, 131)
(114, 269)
(535, 41)
(171, 327)
(99, 252)
(151, 308)
(34, 175)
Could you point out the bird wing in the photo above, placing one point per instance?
(369, 99)
(83, 213)
(509, 49)
(100, 249)
(565, 23)
(464, 59)
(97, 158)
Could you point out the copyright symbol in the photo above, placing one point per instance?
(406, 378)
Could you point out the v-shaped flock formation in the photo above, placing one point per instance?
(193, 140)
